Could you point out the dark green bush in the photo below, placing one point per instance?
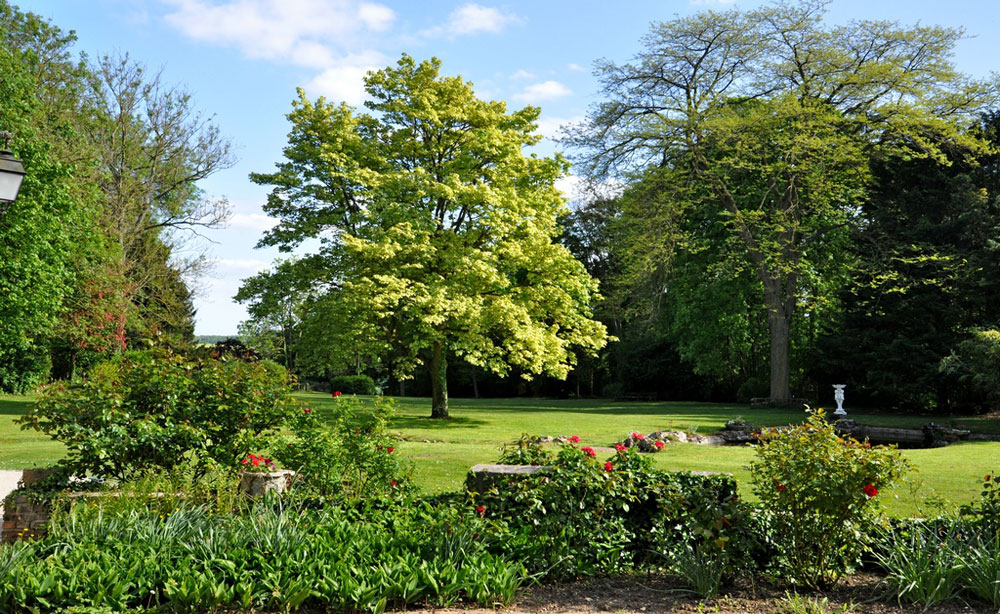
(154, 409)
(352, 384)
(587, 516)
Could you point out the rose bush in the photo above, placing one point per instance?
(821, 492)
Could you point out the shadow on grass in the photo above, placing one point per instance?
(13, 407)
(436, 424)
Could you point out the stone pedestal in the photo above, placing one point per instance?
(256, 484)
(484, 477)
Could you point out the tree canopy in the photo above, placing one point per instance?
(436, 232)
(765, 122)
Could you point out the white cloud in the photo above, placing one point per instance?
(546, 90)
(345, 80)
(473, 19)
(522, 74)
(253, 265)
(550, 127)
(576, 67)
(325, 35)
(252, 221)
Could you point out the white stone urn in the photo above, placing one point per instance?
(256, 483)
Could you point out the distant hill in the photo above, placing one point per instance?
(213, 339)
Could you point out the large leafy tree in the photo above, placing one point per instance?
(768, 119)
(436, 231)
(44, 239)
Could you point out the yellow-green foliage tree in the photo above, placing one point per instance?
(436, 231)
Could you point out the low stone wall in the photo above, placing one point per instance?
(23, 517)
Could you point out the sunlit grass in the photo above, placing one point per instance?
(444, 450)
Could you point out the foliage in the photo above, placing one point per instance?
(586, 516)
(351, 458)
(441, 230)
(268, 557)
(154, 409)
(234, 348)
(525, 451)
(921, 564)
(976, 362)
(353, 384)
(44, 238)
(761, 126)
(821, 491)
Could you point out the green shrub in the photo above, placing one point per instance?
(588, 516)
(821, 492)
(975, 363)
(525, 451)
(351, 458)
(353, 384)
(146, 410)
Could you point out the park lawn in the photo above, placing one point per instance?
(444, 450)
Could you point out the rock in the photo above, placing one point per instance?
(562, 439)
(483, 477)
(669, 436)
(544, 439)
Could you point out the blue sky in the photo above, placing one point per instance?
(241, 60)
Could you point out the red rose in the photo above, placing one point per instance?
(389, 450)
(638, 435)
(245, 461)
(574, 439)
(588, 451)
(307, 410)
(620, 447)
(480, 509)
(336, 393)
(870, 490)
(255, 460)
(781, 488)
(608, 466)
(658, 444)
(393, 483)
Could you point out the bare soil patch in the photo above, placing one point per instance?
(859, 594)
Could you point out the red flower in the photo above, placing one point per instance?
(480, 510)
(870, 490)
(574, 439)
(336, 393)
(781, 488)
(307, 410)
(245, 461)
(393, 483)
(638, 435)
(588, 451)
(987, 478)
(389, 450)
(620, 447)
(255, 460)
(608, 466)
(658, 444)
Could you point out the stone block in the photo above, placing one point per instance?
(483, 477)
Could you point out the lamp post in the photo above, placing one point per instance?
(11, 174)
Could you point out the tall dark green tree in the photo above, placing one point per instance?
(768, 119)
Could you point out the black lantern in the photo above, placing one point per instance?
(11, 173)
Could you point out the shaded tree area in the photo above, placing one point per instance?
(92, 254)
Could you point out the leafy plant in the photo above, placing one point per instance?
(821, 490)
(153, 409)
(351, 457)
(353, 384)
(525, 451)
(921, 564)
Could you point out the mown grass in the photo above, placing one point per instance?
(443, 450)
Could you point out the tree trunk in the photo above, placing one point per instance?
(779, 318)
(439, 381)
(475, 384)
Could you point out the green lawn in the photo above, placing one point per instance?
(444, 450)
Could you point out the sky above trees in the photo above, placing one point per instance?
(242, 59)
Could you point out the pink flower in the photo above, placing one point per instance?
(588, 451)
(307, 410)
(658, 444)
(574, 439)
(620, 447)
(336, 393)
(608, 466)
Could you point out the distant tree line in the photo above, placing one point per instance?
(91, 253)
